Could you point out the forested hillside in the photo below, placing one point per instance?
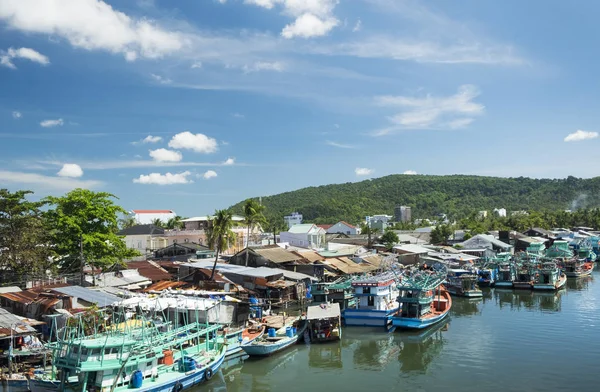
(456, 196)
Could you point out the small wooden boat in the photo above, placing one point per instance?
(549, 277)
(14, 383)
(324, 322)
(424, 301)
(576, 268)
(275, 342)
(234, 339)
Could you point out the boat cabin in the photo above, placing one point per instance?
(324, 322)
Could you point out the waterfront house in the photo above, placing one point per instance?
(144, 238)
(343, 227)
(304, 236)
(267, 256)
(486, 241)
(410, 253)
(184, 252)
(539, 232)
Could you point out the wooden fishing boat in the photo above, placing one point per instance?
(505, 275)
(423, 301)
(276, 341)
(576, 268)
(14, 383)
(549, 277)
(463, 283)
(324, 322)
(525, 276)
(376, 301)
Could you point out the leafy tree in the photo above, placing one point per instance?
(174, 223)
(220, 234)
(370, 232)
(389, 239)
(84, 226)
(440, 234)
(276, 225)
(253, 216)
(24, 240)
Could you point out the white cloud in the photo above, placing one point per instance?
(92, 25)
(363, 171)
(309, 25)
(429, 112)
(581, 135)
(358, 26)
(21, 53)
(161, 79)
(70, 170)
(123, 164)
(312, 18)
(209, 174)
(195, 142)
(338, 145)
(264, 66)
(55, 183)
(151, 139)
(409, 172)
(238, 115)
(52, 123)
(164, 179)
(164, 155)
(229, 162)
(197, 64)
(17, 114)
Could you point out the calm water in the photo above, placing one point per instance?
(507, 341)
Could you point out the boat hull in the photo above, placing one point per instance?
(368, 317)
(503, 284)
(560, 283)
(415, 323)
(236, 342)
(14, 385)
(467, 294)
(264, 350)
(166, 382)
(523, 285)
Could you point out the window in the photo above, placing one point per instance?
(370, 301)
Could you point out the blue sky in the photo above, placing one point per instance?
(195, 105)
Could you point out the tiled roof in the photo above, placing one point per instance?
(153, 211)
(150, 270)
(277, 255)
(348, 224)
(310, 256)
(324, 227)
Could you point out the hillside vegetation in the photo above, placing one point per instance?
(456, 195)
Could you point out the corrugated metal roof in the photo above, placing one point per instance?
(9, 321)
(150, 270)
(9, 289)
(323, 311)
(92, 296)
(277, 255)
(160, 286)
(23, 297)
(310, 256)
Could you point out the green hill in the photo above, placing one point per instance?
(456, 196)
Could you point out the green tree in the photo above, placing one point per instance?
(126, 222)
(440, 234)
(24, 240)
(253, 216)
(158, 223)
(220, 234)
(370, 232)
(389, 239)
(174, 223)
(84, 230)
(276, 225)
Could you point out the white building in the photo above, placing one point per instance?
(500, 211)
(344, 228)
(144, 238)
(304, 236)
(378, 218)
(294, 219)
(145, 217)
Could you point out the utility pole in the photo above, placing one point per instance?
(81, 261)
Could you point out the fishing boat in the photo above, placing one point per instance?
(486, 277)
(14, 383)
(549, 277)
(277, 340)
(463, 283)
(376, 301)
(506, 273)
(525, 275)
(423, 300)
(97, 352)
(234, 339)
(577, 267)
(324, 322)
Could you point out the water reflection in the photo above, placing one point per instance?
(530, 300)
(462, 307)
(419, 350)
(579, 284)
(374, 351)
(325, 356)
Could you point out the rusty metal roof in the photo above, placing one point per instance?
(150, 270)
(163, 285)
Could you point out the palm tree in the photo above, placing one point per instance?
(220, 234)
(127, 222)
(158, 223)
(253, 215)
(174, 223)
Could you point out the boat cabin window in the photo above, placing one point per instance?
(370, 301)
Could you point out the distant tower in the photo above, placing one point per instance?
(402, 214)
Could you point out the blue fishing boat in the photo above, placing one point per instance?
(234, 339)
(549, 277)
(463, 283)
(14, 383)
(376, 301)
(423, 300)
(276, 341)
(506, 273)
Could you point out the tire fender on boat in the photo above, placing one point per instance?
(177, 387)
(208, 374)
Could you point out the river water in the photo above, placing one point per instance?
(507, 341)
